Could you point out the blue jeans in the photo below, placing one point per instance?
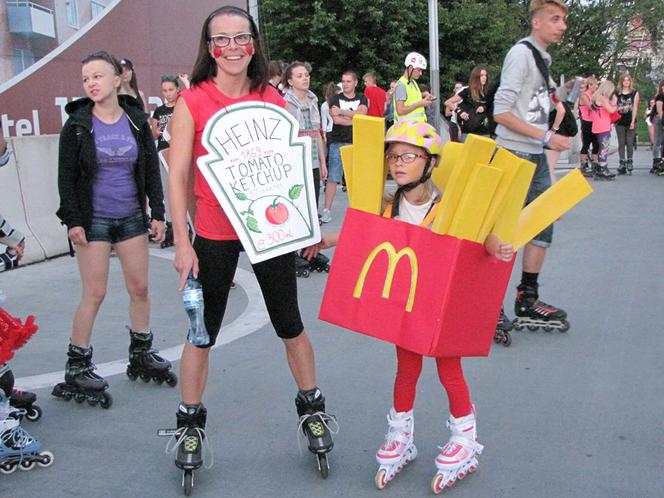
(115, 230)
(335, 171)
(540, 182)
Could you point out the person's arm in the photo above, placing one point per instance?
(560, 115)
(339, 117)
(180, 173)
(635, 111)
(585, 100)
(611, 105)
(153, 187)
(659, 105)
(327, 240)
(321, 156)
(403, 109)
(68, 171)
(497, 248)
(154, 126)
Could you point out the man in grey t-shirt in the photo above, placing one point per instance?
(521, 110)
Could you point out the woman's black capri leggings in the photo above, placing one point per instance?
(588, 138)
(217, 261)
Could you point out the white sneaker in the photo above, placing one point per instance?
(326, 217)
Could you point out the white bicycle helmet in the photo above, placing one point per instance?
(417, 60)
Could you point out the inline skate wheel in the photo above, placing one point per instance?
(131, 374)
(437, 484)
(34, 414)
(517, 325)
(381, 479)
(27, 464)
(106, 401)
(323, 466)
(564, 327)
(158, 380)
(145, 378)
(7, 468)
(92, 401)
(47, 459)
(187, 481)
(547, 328)
(532, 328)
(172, 379)
(79, 397)
(508, 340)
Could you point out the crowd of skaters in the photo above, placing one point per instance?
(87, 207)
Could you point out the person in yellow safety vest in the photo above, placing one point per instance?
(408, 101)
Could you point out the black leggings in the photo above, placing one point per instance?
(588, 138)
(217, 261)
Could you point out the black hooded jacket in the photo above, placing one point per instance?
(78, 163)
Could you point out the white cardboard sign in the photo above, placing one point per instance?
(260, 171)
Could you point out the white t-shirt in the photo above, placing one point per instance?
(325, 118)
(413, 213)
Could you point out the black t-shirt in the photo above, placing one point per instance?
(162, 115)
(477, 121)
(340, 133)
(658, 98)
(625, 108)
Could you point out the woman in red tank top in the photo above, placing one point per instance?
(230, 68)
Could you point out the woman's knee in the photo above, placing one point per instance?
(94, 295)
(137, 290)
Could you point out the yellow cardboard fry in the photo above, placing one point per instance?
(368, 179)
(475, 202)
(508, 216)
(508, 163)
(347, 163)
(449, 158)
(551, 205)
(476, 150)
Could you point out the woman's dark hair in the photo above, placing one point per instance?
(477, 90)
(103, 55)
(133, 82)
(205, 67)
(660, 88)
(275, 68)
(288, 72)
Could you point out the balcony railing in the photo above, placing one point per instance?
(31, 19)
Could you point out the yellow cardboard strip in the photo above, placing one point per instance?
(347, 162)
(476, 150)
(508, 216)
(449, 158)
(368, 179)
(508, 163)
(475, 202)
(551, 205)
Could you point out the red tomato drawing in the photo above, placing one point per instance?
(276, 213)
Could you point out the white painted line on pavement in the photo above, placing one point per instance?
(253, 318)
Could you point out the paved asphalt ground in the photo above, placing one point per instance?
(560, 415)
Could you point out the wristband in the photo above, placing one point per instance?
(547, 137)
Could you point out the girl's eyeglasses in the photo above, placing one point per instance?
(406, 157)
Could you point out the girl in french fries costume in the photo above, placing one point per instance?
(412, 152)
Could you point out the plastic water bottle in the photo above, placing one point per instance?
(192, 298)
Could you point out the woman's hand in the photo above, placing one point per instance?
(158, 231)
(185, 261)
(77, 236)
(464, 116)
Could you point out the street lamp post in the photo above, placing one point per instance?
(434, 71)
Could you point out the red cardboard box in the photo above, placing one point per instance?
(432, 294)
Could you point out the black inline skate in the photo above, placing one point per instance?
(188, 442)
(24, 401)
(144, 362)
(302, 268)
(533, 313)
(315, 425)
(81, 382)
(319, 263)
(503, 328)
(622, 168)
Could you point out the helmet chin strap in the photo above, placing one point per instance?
(426, 174)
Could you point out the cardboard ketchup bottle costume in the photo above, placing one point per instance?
(435, 292)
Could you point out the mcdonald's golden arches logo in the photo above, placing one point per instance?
(393, 259)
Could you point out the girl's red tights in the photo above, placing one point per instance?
(450, 373)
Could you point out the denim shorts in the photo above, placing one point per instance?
(540, 182)
(115, 230)
(335, 171)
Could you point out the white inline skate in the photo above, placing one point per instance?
(458, 457)
(398, 449)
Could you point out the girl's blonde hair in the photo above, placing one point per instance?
(590, 80)
(605, 89)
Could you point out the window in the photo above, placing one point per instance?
(22, 58)
(72, 13)
(96, 7)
